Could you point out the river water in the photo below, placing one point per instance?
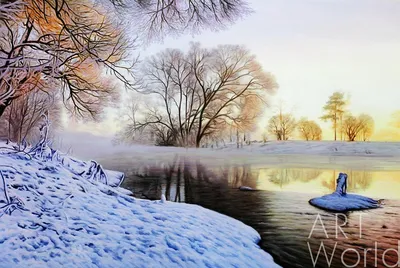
(292, 231)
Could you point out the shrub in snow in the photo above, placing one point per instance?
(42, 151)
(96, 173)
(9, 203)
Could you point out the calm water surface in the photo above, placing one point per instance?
(280, 212)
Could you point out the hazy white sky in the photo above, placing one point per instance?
(315, 47)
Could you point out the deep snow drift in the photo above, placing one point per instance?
(53, 214)
(341, 201)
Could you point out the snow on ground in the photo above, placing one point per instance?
(60, 217)
(348, 202)
(341, 201)
(331, 148)
(86, 145)
(294, 154)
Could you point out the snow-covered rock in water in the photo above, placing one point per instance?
(52, 216)
(246, 188)
(341, 201)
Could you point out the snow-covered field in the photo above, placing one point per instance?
(328, 148)
(52, 215)
(311, 154)
(88, 146)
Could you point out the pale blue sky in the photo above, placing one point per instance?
(315, 47)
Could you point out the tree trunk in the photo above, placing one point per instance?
(237, 138)
(341, 127)
(335, 127)
(2, 109)
(4, 106)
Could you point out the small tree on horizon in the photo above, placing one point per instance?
(282, 126)
(309, 130)
(368, 126)
(395, 119)
(334, 110)
(358, 127)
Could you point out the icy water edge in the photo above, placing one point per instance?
(290, 228)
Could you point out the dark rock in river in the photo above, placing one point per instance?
(246, 188)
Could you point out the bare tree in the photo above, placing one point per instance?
(128, 117)
(157, 18)
(204, 91)
(24, 115)
(351, 127)
(73, 43)
(368, 125)
(282, 125)
(362, 125)
(309, 130)
(8, 9)
(395, 119)
(250, 109)
(264, 137)
(64, 43)
(163, 135)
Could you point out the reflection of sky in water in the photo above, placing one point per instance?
(281, 213)
(379, 184)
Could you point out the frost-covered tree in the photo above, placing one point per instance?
(62, 44)
(368, 126)
(79, 46)
(23, 117)
(282, 126)
(159, 18)
(309, 130)
(204, 91)
(358, 127)
(250, 111)
(351, 127)
(127, 118)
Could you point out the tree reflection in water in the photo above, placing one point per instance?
(283, 217)
(357, 180)
(288, 175)
(177, 179)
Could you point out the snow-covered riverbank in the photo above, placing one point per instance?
(302, 154)
(326, 148)
(59, 216)
(85, 145)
